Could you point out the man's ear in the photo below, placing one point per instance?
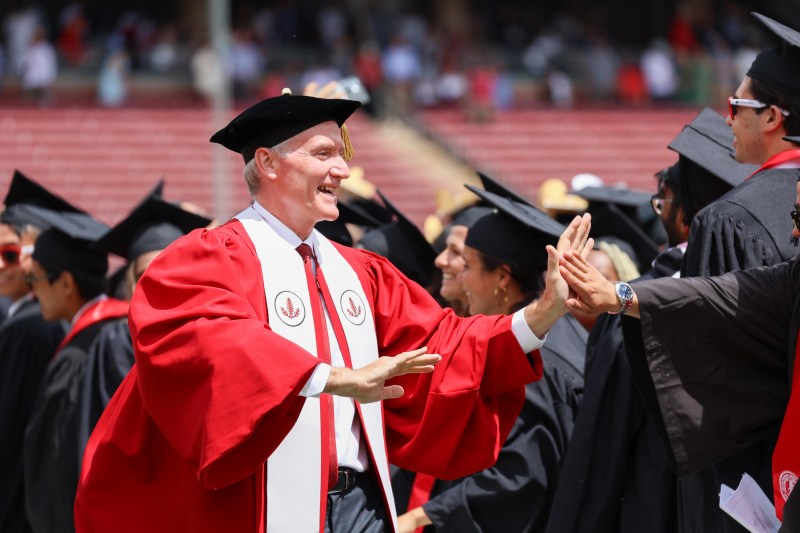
(265, 162)
(67, 282)
(775, 118)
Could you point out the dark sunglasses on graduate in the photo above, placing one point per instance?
(657, 203)
(795, 214)
(735, 103)
(10, 253)
(50, 277)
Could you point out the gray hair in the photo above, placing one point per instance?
(251, 177)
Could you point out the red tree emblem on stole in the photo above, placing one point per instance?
(353, 311)
(290, 311)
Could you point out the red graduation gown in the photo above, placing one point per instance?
(182, 444)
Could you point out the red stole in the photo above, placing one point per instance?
(99, 311)
(782, 158)
(786, 457)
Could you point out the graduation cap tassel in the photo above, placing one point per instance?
(349, 151)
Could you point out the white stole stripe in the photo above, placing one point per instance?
(294, 470)
(344, 286)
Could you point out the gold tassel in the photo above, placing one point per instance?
(349, 151)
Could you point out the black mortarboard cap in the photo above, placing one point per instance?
(68, 244)
(402, 243)
(152, 225)
(779, 67)
(620, 196)
(795, 140)
(626, 214)
(276, 119)
(493, 186)
(470, 215)
(349, 213)
(26, 200)
(708, 143)
(513, 231)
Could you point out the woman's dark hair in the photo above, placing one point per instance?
(771, 96)
(529, 278)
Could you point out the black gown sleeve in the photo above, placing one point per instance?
(716, 351)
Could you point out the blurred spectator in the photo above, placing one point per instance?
(19, 27)
(73, 30)
(681, 32)
(631, 87)
(659, 70)
(321, 73)
(165, 54)
(401, 69)
(601, 63)
(112, 84)
(451, 85)
(247, 63)
(332, 25)
(208, 74)
(39, 68)
(559, 88)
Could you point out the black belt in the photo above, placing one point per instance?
(348, 478)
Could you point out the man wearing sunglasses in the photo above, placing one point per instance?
(27, 344)
(746, 228)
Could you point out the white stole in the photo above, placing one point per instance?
(294, 470)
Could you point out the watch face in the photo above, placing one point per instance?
(624, 291)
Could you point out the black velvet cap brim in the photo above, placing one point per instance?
(277, 119)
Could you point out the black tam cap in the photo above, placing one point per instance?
(69, 244)
(26, 200)
(153, 225)
(470, 215)
(626, 214)
(779, 67)
(402, 243)
(272, 121)
(513, 231)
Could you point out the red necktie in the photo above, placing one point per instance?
(324, 353)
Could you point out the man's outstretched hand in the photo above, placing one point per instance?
(367, 384)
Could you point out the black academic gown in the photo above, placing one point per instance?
(515, 494)
(27, 344)
(78, 386)
(5, 303)
(748, 227)
(616, 475)
(717, 370)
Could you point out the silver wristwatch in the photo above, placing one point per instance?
(624, 295)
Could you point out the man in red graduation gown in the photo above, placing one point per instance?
(259, 399)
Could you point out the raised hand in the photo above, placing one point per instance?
(367, 384)
(593, 293)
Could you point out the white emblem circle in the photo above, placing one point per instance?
(289, 308)
(787, 481)
(353, 307)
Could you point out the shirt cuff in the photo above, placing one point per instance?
(526, 338)
(316, 383)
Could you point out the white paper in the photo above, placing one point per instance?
(749, 506)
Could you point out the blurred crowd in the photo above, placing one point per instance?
(405, 57)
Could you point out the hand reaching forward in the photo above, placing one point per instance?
(544, 312)
(593, 293)
(366, 384)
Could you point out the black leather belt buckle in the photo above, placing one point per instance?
(346, 480)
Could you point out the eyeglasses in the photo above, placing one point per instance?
(734, 103)
(657, 203)
(10, 253)
(50, 277)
